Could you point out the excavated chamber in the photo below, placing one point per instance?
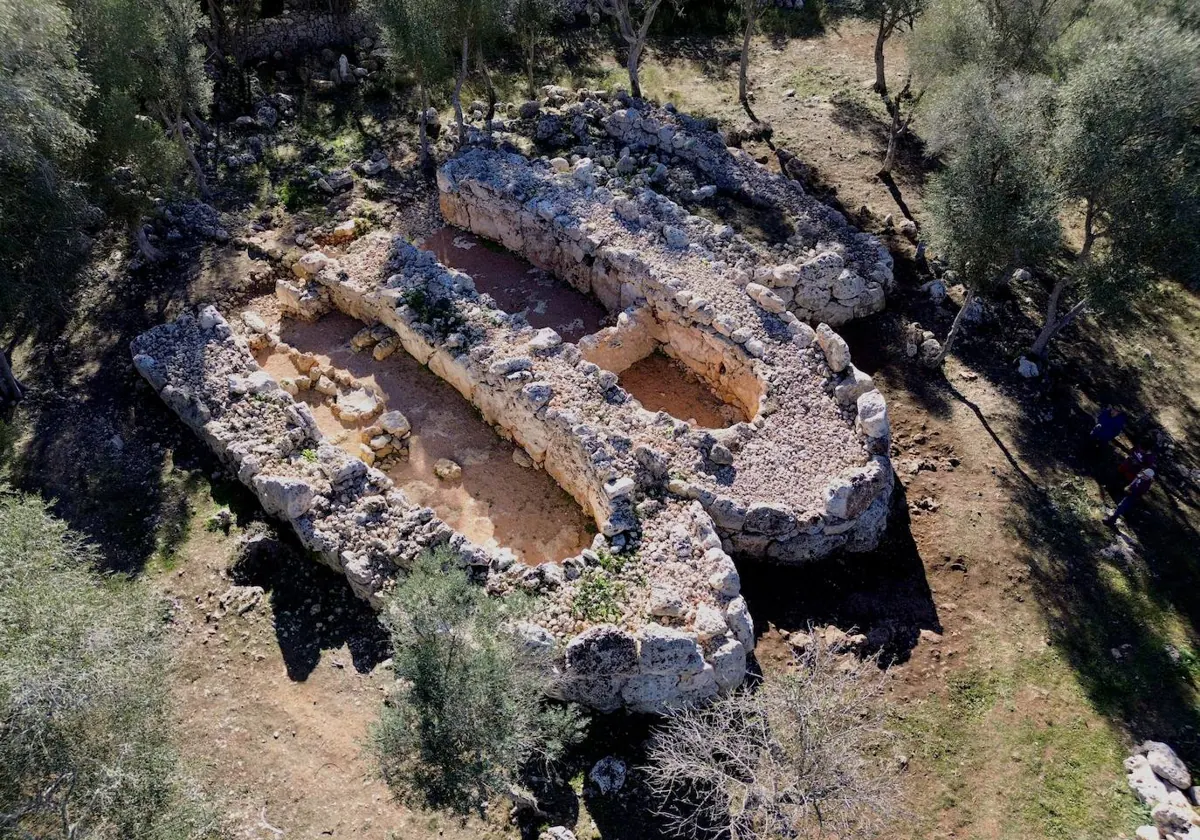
(809, 473)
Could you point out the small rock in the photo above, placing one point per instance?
(1027, 368)
(1166, 764)
(395, 423)
(447, 470)
(608, 774)
(522, 459)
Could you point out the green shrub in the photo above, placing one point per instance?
(468, 714)
(598, 597)
(85, 719)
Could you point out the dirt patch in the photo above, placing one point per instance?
(496, 502)
(662, 384)
(517, 286)
(279, 674)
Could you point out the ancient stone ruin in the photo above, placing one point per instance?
(803, 474)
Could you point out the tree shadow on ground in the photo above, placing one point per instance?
(627, 814)
(100, 444)
(883, 594)
(315, 610)
(1117, 602)
(910, 167)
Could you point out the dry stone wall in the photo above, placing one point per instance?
(820, 267)
(682, 633)
(809, 474)
(298, 31)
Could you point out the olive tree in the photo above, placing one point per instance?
(633, 19)
(417, 31)
(804, 755)
(468, 711)
(752, 11)
(1126, 155)
(85, 719)
(529, 21)
(993, 207)
(131, 159)
(474, 23)
(180, 83)
(43, 94)
(888, 16)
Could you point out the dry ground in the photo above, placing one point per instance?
(1030, 645)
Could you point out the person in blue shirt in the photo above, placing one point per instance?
(1110, 422)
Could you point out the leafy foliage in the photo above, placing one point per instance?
(468, 712)
(1126, 149)
(598, 596)
(84, 702)
(993, 207)
(42, 97)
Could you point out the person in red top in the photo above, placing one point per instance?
(1137, 460)
(1137, 488)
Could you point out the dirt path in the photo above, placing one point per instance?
(276, 688)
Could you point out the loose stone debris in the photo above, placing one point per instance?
(1163, 783)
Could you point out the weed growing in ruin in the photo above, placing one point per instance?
(439, 313)
(598, 597)
(614, 564)
(309, 455)
(469, 715)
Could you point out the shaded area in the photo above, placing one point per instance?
(314, 607)
(517, 286)
(626, 814)
(661, 383)
(101, 445)
(1122, 605)
(883, 594)
(496, 502)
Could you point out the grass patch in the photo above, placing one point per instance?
(598, 597)
(1025, 732)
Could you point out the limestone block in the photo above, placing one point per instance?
(873, 415)
(289, 498)
(769, 520)
(853, 384)
(649, 692)
(837, 352)
(602, 651)
(737, 617)
(665, 650)
(729, 664)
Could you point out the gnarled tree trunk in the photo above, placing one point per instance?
(744, 66)
(1054, 324)
(11, 390)
(880, 37)
(954, 329)
(458, 85)
(631, 64)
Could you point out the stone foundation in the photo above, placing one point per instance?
(682, 633)
(817, 266)
(809, 474)
(299, 31)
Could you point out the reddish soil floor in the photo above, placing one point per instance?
(662, 384)
(517, 286)
(496, 502)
